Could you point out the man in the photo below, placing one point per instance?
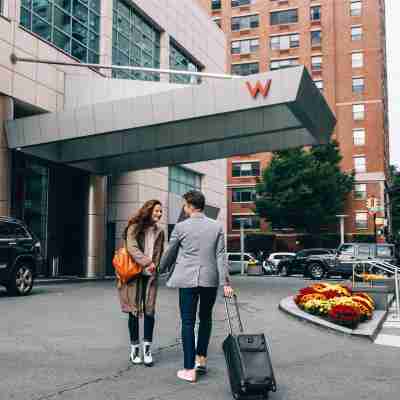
(197, 248)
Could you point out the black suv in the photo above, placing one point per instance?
(20, 256)
(349, 254)
(297, 264)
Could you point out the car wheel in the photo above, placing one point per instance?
(284, 271)
(316, 271)
(21, 282)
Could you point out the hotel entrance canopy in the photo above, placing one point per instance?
(216, 119)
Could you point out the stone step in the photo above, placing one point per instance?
(388, 340)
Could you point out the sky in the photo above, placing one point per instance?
(393, 64)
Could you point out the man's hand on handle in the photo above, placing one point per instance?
(228, 291)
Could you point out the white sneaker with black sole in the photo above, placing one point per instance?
(147, 356)
(135, 355)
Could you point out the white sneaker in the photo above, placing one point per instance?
(135, 355)
(147, 357)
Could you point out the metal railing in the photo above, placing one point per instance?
(385, 267)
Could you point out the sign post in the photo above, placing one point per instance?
(374, 207)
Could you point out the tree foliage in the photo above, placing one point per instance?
(304, 188)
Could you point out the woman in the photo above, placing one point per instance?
(145, 243)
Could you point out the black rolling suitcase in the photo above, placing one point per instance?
(248, 360)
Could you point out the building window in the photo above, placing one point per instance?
(316, 63)
(316, 38)
(1, 7)
(72, 27)
(285, 42)
(284, 17)
(215, 4)
(320, 85)
(239, 3)
(181, 180)
(245, 69)
(243, 195)
(315, 13)
(358, 85)
(356, 33)
(358, 112)
(360, 191)
(247, 22)
(178, 60)
(134, 42)
(360, 164)
(357, 60)
(359, 137)
(278, 64)
(361, 220)
(246, 169)
(245, 46)
(355, 8)
(250, 222)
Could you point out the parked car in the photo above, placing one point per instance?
(234, 262)
(269, 268)
(20, 256)
(297, 264)
(347, 254)
(276, 258)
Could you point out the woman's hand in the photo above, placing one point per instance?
(151, 268)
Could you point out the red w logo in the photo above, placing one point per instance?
(264, 90)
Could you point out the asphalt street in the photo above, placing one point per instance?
(70, 341)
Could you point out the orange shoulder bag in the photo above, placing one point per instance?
(125, 267)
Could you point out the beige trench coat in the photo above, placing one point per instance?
(131, 293)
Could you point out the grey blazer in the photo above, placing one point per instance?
(197, 248)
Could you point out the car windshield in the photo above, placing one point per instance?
(347, 249)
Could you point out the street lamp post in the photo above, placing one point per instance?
(242, 222)
(341, 218)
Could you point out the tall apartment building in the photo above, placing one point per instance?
(342, 43)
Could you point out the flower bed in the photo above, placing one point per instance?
(336, 303)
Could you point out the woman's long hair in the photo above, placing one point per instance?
(143, 218)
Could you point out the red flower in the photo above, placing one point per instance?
(344, 313)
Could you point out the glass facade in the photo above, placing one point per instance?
(71, 25)
(181, 180)
(134, 42)
(178, 60)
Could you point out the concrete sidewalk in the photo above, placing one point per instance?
(71, 342)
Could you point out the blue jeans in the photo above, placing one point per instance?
(188, 301)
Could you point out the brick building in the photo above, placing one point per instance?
(342, 43)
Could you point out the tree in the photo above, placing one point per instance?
(304, 189)
(395, 202)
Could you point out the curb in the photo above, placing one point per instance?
(71, 279)
(369, 330)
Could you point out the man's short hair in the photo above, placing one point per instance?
(196, 199)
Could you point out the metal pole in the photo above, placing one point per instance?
(396, 277)
(15, 59)
(242, 245)
(341, 230)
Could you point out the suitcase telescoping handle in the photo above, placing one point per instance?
(237, 313)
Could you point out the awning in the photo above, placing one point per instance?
(217, 119)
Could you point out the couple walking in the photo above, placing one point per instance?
(196, 255)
